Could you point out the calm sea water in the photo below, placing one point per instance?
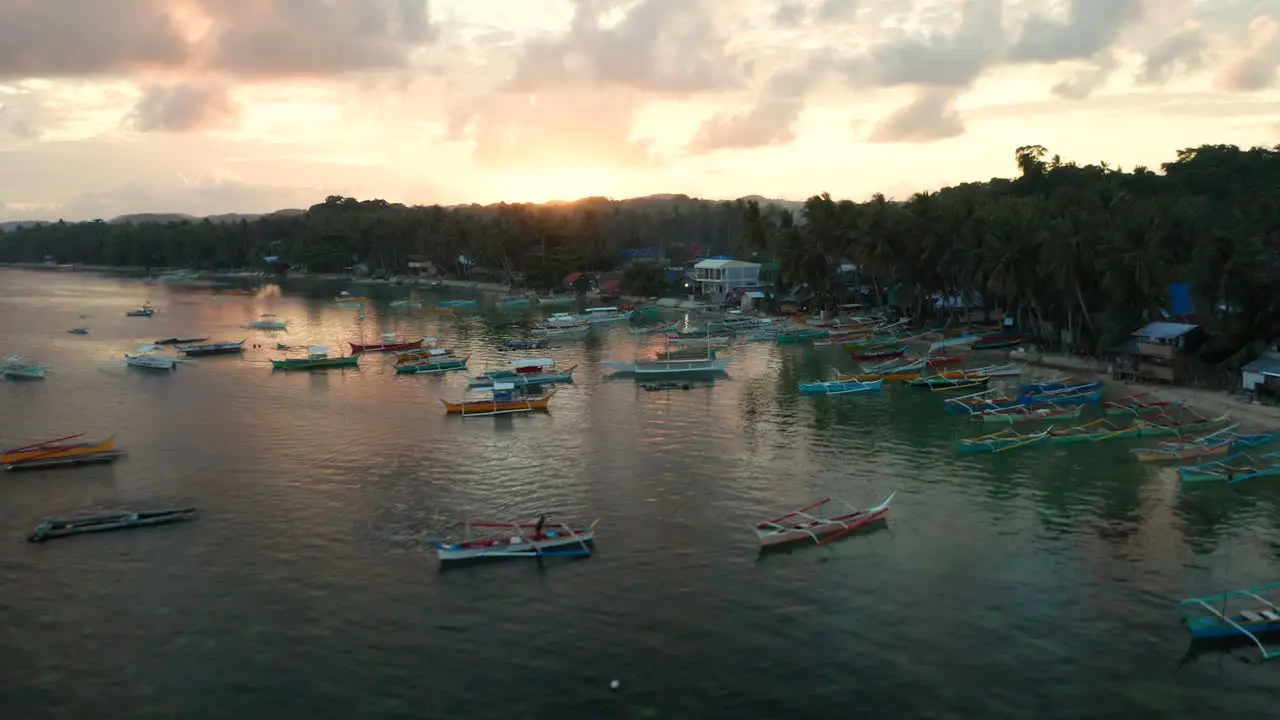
(1037, 584)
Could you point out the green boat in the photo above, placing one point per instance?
(317, 358)
(1237, 468)
(433, 364)
(1094, 431)
(1002, 441)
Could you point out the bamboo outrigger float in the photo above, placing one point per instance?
(1226, 623)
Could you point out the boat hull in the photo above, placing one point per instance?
(669, 368)
(772, 535)
(496, 407)
(385, 347)
(432, 367)
(58, 451)
(82, 524)
(147, 362)
(514, 547)
(213, 349)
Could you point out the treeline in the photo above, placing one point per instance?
(541, 243)
(1080, 254)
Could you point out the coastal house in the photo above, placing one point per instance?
(720, 276)
(1262, 376)
(1163, 350)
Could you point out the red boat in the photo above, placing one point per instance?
(943, 361)
(879, 354)
(386, 346)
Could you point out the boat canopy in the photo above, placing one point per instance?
(389, 336)
(532, 362)
(503, 386)
(602, 309)
(148, 348)
(318, 349)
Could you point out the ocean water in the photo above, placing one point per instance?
(1041, 583)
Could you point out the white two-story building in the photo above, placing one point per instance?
(722, 276)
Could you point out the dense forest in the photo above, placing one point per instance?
(1080, 254)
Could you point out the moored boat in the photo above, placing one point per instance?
(144, 311)
(1019, 414)
(1236, 468)
(317, 359)
(949, 381)
(179, 341)
(560, 324)
(596, 315)
(520, 539)
(979, 401)
(441, 360)
(1002, 441)
(18, 367)
(56, 448)
(799, 335)
(1139, 404)
(841, 387)
(655, 329)
(524, 345)
(1216, 443)
(874, 354)
(804, 524)
(1220, 617)
(216, 348)
(390, 343)
(102, 522)
(529, 372)
(503, 402)
(147, 357)
(1064, 395)
(450, 304)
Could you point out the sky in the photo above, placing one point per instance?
(110, 107)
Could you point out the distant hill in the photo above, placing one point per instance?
(659, 201)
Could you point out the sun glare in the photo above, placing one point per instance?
(539, 186)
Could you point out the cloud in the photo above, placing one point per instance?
(1084, 83)
(1091, 27)
(837, 11)
(183, 108)
(789, 14)
(769, 121)
(930, 116)
(22, 115)
(312, 37)
(64, 39)
(1185, 47)
(932, 59)
(1255, 68)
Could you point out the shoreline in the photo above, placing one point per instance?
(1251, 416)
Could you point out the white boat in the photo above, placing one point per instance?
(269, 321)
(561, 324)
(147, 357)
(596, 315)
(1005, 370)
(802, 525)
(525, 539)
(17, 367)
(708, 364)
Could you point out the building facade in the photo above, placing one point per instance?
(720, 276)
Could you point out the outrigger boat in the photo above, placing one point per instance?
(998, 342)
(1103, 429)
(655, 329)
(56, 448)
(217, 348)
(17, 367)
(1215, 619)
(705, 363)
(317, 358)
(559, 541)
(878, 354)
(1059, 384)
(1237, 468)
(450, 304)
(389, 344)
(1139, 404)
(560, 324)
(1019, 414)
(179, 341)
(943, 360)
(1002, 441)
(81, 524)
(801, 524)
(503, 402)
(439, 360)
(799, 335)
(144, 311)
(841, 387)
(596, 315)
(530, 372)
(1213, 444)
(424, 352)
(147, 359)
(996, 371)
(979, 401)
(1068, 395)
(949, 381)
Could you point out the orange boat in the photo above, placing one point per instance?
(503, 402)
(58, 448)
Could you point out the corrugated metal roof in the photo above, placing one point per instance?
(716, 263)
(756, 295)
(1264, 366)
(1164, 330)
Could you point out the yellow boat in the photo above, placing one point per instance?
(55, 449)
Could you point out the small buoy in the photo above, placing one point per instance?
(614, 685)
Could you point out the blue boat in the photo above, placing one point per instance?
(1066, 396)
(513, 301)
(1214, 618)
(840, 387)
(456, 303)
